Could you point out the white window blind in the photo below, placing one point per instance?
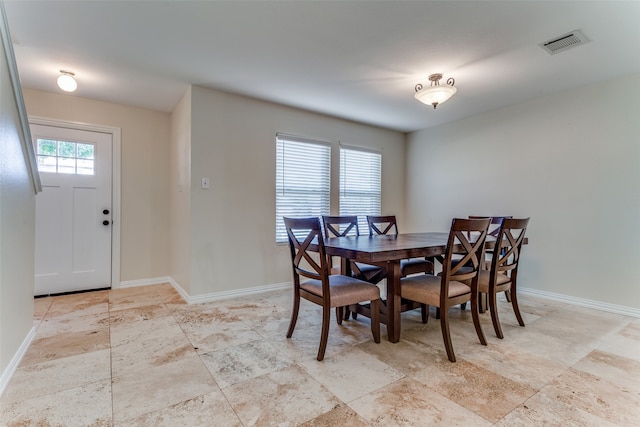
(303, 174)
(360, 184)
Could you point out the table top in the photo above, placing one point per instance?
(387, 247)
(382, 248)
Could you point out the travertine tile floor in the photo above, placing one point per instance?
(142, 357)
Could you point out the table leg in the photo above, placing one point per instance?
(393, 301)
(345, 270)
(345, 267)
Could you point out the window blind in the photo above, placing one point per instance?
(303, 175)
(360, 184)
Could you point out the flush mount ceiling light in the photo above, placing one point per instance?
(435, 94)
(66, 82)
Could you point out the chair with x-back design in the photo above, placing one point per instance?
(387, 224)
(309, 261)
(347, 225)
(458, 281)
(494, 228)
(502, 275)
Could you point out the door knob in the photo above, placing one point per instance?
(105, 222)
(106, 211)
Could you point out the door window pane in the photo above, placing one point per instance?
(65, 157)
(85, 151)
(66, 149)
(46, 146)
(66, 165)
(47, 164)
(84, 167)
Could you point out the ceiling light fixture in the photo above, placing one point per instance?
(435, 94)
(66, 82)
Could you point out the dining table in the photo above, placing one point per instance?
(387, 251)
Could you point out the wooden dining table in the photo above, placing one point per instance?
(387, 251)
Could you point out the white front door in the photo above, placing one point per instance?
(73, 212)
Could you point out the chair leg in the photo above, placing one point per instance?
(294, 315)
(463, 306)
(324, 337)
(424, 311)
(339, 315)
(375, 320)
(482, 306)
(431, 270)
(446, 336)
(348, 312)
(476, 318)
(514, 304)
(507, 295)
(437, 312)
(493, 306)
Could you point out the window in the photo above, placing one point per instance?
(360, 183)
(65, 157)
(303, 173)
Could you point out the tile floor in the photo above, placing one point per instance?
(142, 357)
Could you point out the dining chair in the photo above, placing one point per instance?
(494, 227)
(503, 273)
(458, 282)
(309, 261)
(386, 224)
(347, 225)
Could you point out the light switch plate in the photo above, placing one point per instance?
(205, 183)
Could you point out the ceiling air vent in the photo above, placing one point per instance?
(564, 42)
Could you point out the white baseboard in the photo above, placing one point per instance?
(155, 281)
(199, 299)
(597, 305)
(216, 296)
(143, 282)
(7, 374)
(178, 288)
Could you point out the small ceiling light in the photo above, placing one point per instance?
(435, 94)
(66, 82)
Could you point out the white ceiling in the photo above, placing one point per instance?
(358, 60)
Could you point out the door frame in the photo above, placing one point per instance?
(115, 181)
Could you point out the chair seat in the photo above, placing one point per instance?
(426, 289)
(502, 282)
(344, 290)
(415, 265)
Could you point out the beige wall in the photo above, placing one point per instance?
(233, 223)
(145, 215)
(570, 161)
(17, 227)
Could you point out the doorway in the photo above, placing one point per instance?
(76, 213)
